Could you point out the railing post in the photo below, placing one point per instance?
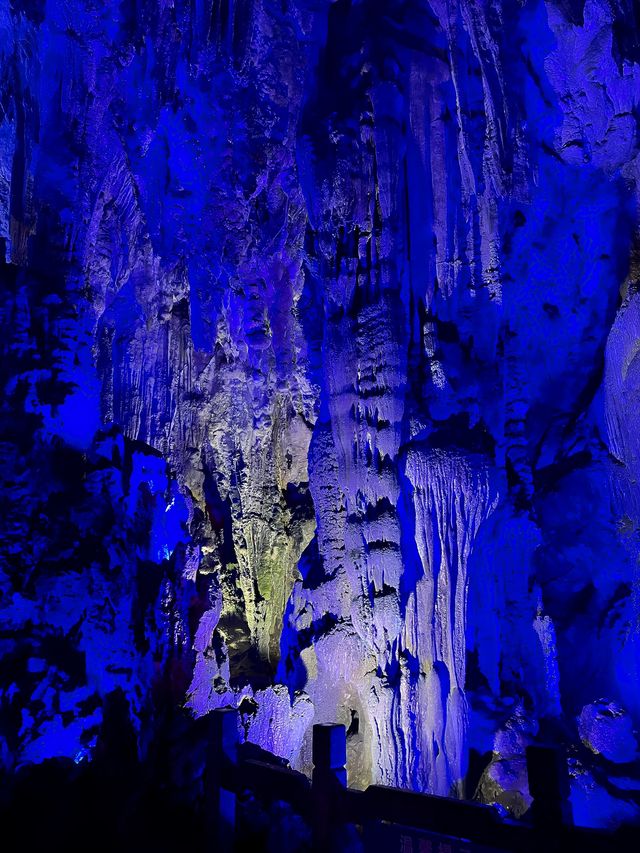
(549, 786)
(329, 776)
(220, 799)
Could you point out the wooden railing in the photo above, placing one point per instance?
(328, 804)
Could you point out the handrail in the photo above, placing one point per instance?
(327, 802)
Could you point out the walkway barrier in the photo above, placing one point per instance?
(393, 819)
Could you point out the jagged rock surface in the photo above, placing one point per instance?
(319, 343)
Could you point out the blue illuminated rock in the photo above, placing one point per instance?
(607, 730)
(320, 330)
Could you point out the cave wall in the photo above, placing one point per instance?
(320, 333)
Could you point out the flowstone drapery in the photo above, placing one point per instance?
(319, 339)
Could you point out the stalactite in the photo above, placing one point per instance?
(319, 338)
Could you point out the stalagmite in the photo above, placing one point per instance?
(320, 328)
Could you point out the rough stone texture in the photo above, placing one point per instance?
(320, 330)
(504, 781)
(607, 730)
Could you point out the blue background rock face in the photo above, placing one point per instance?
(321, 375)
